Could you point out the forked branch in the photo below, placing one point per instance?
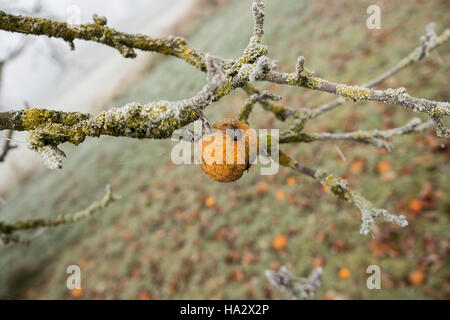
(159, 119)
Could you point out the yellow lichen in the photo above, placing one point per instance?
(313, 82)
(224, 90)
(32, 118)
(353, 93)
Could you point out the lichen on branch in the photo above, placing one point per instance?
(296, 288)
(340, 188)
(99, 32)
(8, 231)
(435, 109)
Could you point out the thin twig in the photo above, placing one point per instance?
(8, 231)
(374, 137)
(159, 119)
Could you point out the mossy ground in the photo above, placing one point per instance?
(162, 240)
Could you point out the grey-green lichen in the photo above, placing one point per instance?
(155, 120)
(296, 136)
(99, 32)
(337, 185)
(52, 157)
(158, 120)
(313, 82)
(285, 160)
(258, 16)
(424, 49)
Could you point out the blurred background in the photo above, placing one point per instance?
(176, 234)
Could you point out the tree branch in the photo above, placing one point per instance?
(158, 120)
(254, 98)
(374, 137)
(435, 109)
(294, 287)
(8, 231)
(340, 188)
(302, 115)
(272, 105)
(258, 16)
